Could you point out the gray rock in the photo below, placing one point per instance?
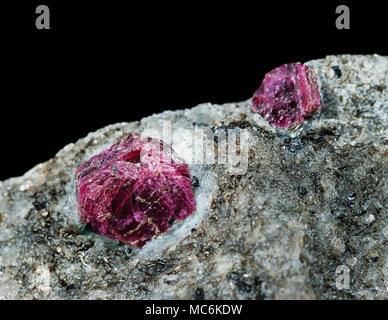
(309, 203)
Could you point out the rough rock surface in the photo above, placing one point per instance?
(309, 202)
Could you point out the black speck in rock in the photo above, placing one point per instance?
(39, 205)
(171, 221)
(302, 191)
(128, 251)
(352, 196)
(199, 294)
(312, 212)
(337, 71)
(88, 228)
(195, 182)
(375, 259)
(193, 230)
(234, 276)
(241, 285)
(244, 287)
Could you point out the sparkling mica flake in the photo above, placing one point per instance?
(134, 190)
(288, 95)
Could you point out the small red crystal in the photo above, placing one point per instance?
(134, 190)
(287, 96)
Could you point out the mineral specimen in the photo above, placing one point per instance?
(266, 239)
(287, 96)
(134, 190)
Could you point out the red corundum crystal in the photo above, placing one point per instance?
(288, 95)
(134, 190)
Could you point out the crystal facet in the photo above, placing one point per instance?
(134, 190)
(288, 95)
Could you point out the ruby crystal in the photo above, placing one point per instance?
(288, 95)
(134, 190)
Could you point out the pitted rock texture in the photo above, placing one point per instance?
(310, 201)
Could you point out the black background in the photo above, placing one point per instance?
(107, 62)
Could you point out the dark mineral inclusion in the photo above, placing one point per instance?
(134, 190)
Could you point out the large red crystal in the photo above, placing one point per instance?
(288, 95)
(134, 190)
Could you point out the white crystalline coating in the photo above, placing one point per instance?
(253, 235)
